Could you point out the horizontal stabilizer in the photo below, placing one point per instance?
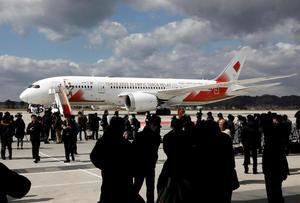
(236, 88)
(169, 93)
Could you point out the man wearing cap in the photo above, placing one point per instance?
(19, 130)
(6, 135)
(35, 129)
(146, 146)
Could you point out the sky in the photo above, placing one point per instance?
(150, 38)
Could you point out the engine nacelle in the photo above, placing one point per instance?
(140, 102)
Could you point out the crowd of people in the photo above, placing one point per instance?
(200, 161)
(200, 155)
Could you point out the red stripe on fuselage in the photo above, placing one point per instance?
(206, 96)
(77, 97)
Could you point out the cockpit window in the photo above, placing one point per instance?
(34, 86)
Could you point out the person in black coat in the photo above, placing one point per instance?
(250, 137)
(19, 130)
(212, 165)
(95, 124)
(146, 146)
(68, 137)
(175, 179)
(113, 154)
(6, 135)
(46, 122)
(104, 121)
(34, 129)
(275, 165)
(12, 184)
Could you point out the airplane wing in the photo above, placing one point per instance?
(170, 93)
(239, 88)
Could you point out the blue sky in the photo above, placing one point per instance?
(34, 45)
(150, 38)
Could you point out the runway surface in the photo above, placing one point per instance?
(79, 181)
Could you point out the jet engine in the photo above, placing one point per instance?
(141, 102)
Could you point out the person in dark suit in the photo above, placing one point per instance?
(112, 154)
(212, 165)
(19, 130)
(95, 124)
(250, 137)
(35, 129)
(275, 165)
(176, 170)
(6, 135)
(68, 138)
(146, 146)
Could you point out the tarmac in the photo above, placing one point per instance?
(79, 181)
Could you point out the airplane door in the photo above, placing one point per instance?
(101, 87)
(54, 87)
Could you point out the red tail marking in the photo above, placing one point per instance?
(237, 66)
(223, 78)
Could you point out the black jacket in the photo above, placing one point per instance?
(146, 146)
(35, 130)
(19, 128)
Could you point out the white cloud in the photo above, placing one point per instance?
(107, 32)
(188, 31)
(57, 20)
(234, 17)
(18, 72)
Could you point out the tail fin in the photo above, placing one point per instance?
(234, 68)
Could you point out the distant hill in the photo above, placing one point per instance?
(240, 102)
(258, 102)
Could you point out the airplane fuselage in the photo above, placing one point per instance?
(106, 90)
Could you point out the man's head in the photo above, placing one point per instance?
(154, 122)
(181, 112)
(33, 118)
(18, 115)
(6, 116)
(230, 117)
(223, 125)
(220, 115)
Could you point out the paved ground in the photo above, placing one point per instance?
(79, 181)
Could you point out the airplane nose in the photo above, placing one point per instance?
(24, 96)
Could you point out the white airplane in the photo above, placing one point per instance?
(142, 94)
